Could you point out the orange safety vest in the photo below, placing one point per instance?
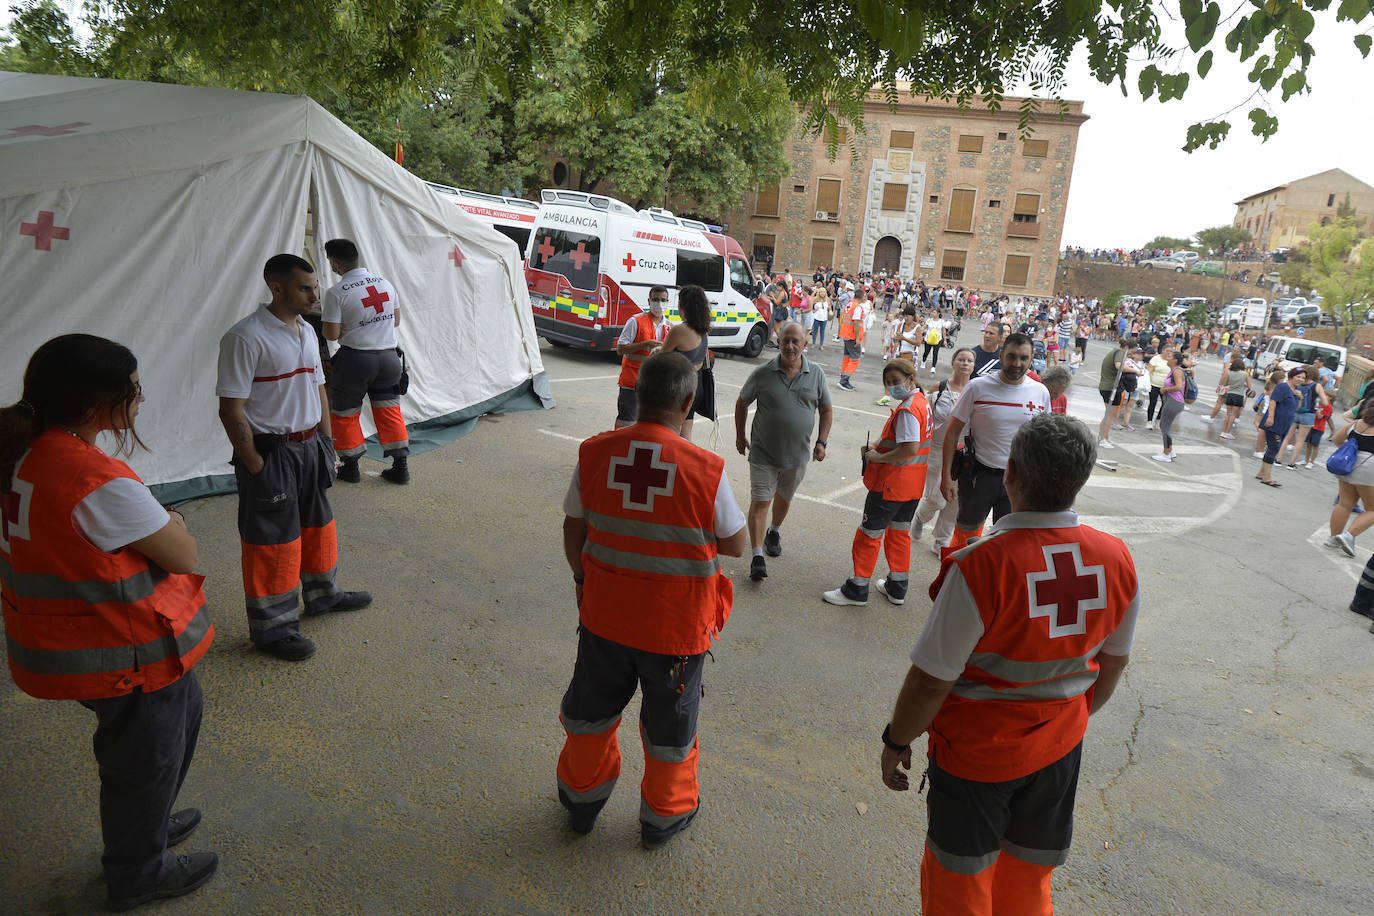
(849, 314)
(1048, 598)
(83, 624)
(630, 362)
(907, 479)
(653, 578)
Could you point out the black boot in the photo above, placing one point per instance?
(348, 471)
(398, 472)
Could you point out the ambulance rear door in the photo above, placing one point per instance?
(564, 275)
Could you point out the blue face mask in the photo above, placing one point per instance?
(898, 391)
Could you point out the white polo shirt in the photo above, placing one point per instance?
(993, 411)
(364, 307)
(276, 366)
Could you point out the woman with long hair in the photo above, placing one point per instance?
(101, 606)
(1172, 406)
(1236, 389)
(691, 339)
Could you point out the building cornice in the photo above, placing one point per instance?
(1010, 110)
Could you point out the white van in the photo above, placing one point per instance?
(1289, 352)
(592, 260)
(1246, 312)
(510, 216)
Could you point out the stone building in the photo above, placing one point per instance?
(926, 191)
(1281, 216)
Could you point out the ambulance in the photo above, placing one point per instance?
(592, 260)
(510, 216)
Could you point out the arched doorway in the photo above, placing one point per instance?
(887, 255)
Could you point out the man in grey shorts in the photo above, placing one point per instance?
(790, 391)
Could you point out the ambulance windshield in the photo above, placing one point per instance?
(572, 254)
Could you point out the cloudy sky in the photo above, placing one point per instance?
(1132, 180)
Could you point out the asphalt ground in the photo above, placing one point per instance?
(408, 767)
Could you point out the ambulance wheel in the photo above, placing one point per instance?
(753, 346)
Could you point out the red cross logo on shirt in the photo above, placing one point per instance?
(579, 256)
(1065, 591)
(375, 300)
(457, 256)
(1033, 407)
(40, 130)
(44, 231)
(629, 262)
(545, 249)
(640, 476)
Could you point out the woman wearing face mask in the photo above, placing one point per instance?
(941, 404)
(895, 474)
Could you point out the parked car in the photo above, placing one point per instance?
(1187, 257)
(1170, 263)
(1208, 268)
(1290, 352)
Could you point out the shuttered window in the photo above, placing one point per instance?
(902, 139)
(961, 210)
(1027, 208)
(894, 196)
(970, 143)
(763, 247)
(952, 264)
(828, 196)
(822, 253)
(1017, 270)
(838, 135)
(766, 201)
(1035, 148)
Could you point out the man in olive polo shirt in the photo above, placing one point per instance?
(790, 391)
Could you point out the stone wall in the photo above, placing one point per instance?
(1096, 279)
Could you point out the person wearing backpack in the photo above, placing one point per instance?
(1173, 398)
(935, 336)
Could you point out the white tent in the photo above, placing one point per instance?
(143, 212)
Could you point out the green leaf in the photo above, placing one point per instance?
(1354, 10)
(1293, 83)
(1149, 79)
(1270, 78)
(1262, 123)
(1204, 64)
(1260, 64)
(1363, 42)
(1200, 24)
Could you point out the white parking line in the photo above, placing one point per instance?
(844, 491)
(549, 432)
(1162, 485)
(1352, 568)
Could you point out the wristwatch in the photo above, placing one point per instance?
(893, 745)
(821, 442)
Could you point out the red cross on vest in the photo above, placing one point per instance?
(375, 300)
(545, 249)
(41, 130)
(457, 256)
(1065, 591)
(14, 513)
(580, 256)
(640, 476)
(629, 262)
(44, 231)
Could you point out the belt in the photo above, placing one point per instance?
(302, 436)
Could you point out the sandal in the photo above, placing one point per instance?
(1270, 483)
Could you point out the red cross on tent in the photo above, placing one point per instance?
(629, 262)
(580, 256)
(1065, 591)
(44, 231)
(457, 256)
(640, 476)
(375, 300)
(41, 130)
(545, 249)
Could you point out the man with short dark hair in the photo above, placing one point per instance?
(647, 517)
(987, 353)
(639, 339)
(993, 408)
(852, 332)
(1029, 635)
(362, 313)
(273, 408)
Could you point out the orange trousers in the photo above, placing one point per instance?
(1008, 886)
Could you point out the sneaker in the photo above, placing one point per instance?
(1347, 544)
(758, 569)
(844, 383)
(1105, 443)
(848, 594)
(1117, 426)
(190, 872)
(1226, 436)
(772, 543)
(348, 472)
(883, 401)
(1257, 455)
(1310, 465)
(294, 648)
(1292, 467)
(1162, 457)
(918, 528)
(1333, 542)
(1150, 424)
(895, 592)
(397, 475)
(347, 601)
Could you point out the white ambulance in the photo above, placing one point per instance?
(511, 216)
(592, 260)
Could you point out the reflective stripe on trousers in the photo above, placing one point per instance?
(886, 523)
(288, 539)
(374, 374)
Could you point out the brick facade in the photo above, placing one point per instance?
(897, 201)
(1280, 217)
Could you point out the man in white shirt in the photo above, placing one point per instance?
(362, 314)
(273, 408)
(992, 408)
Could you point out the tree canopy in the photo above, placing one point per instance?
(1223, 238)
(1168, 242)
(827, 53)
(1337, 261)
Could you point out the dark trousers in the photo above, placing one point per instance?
(981, 490)
(1155, 396)
(144, 743)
